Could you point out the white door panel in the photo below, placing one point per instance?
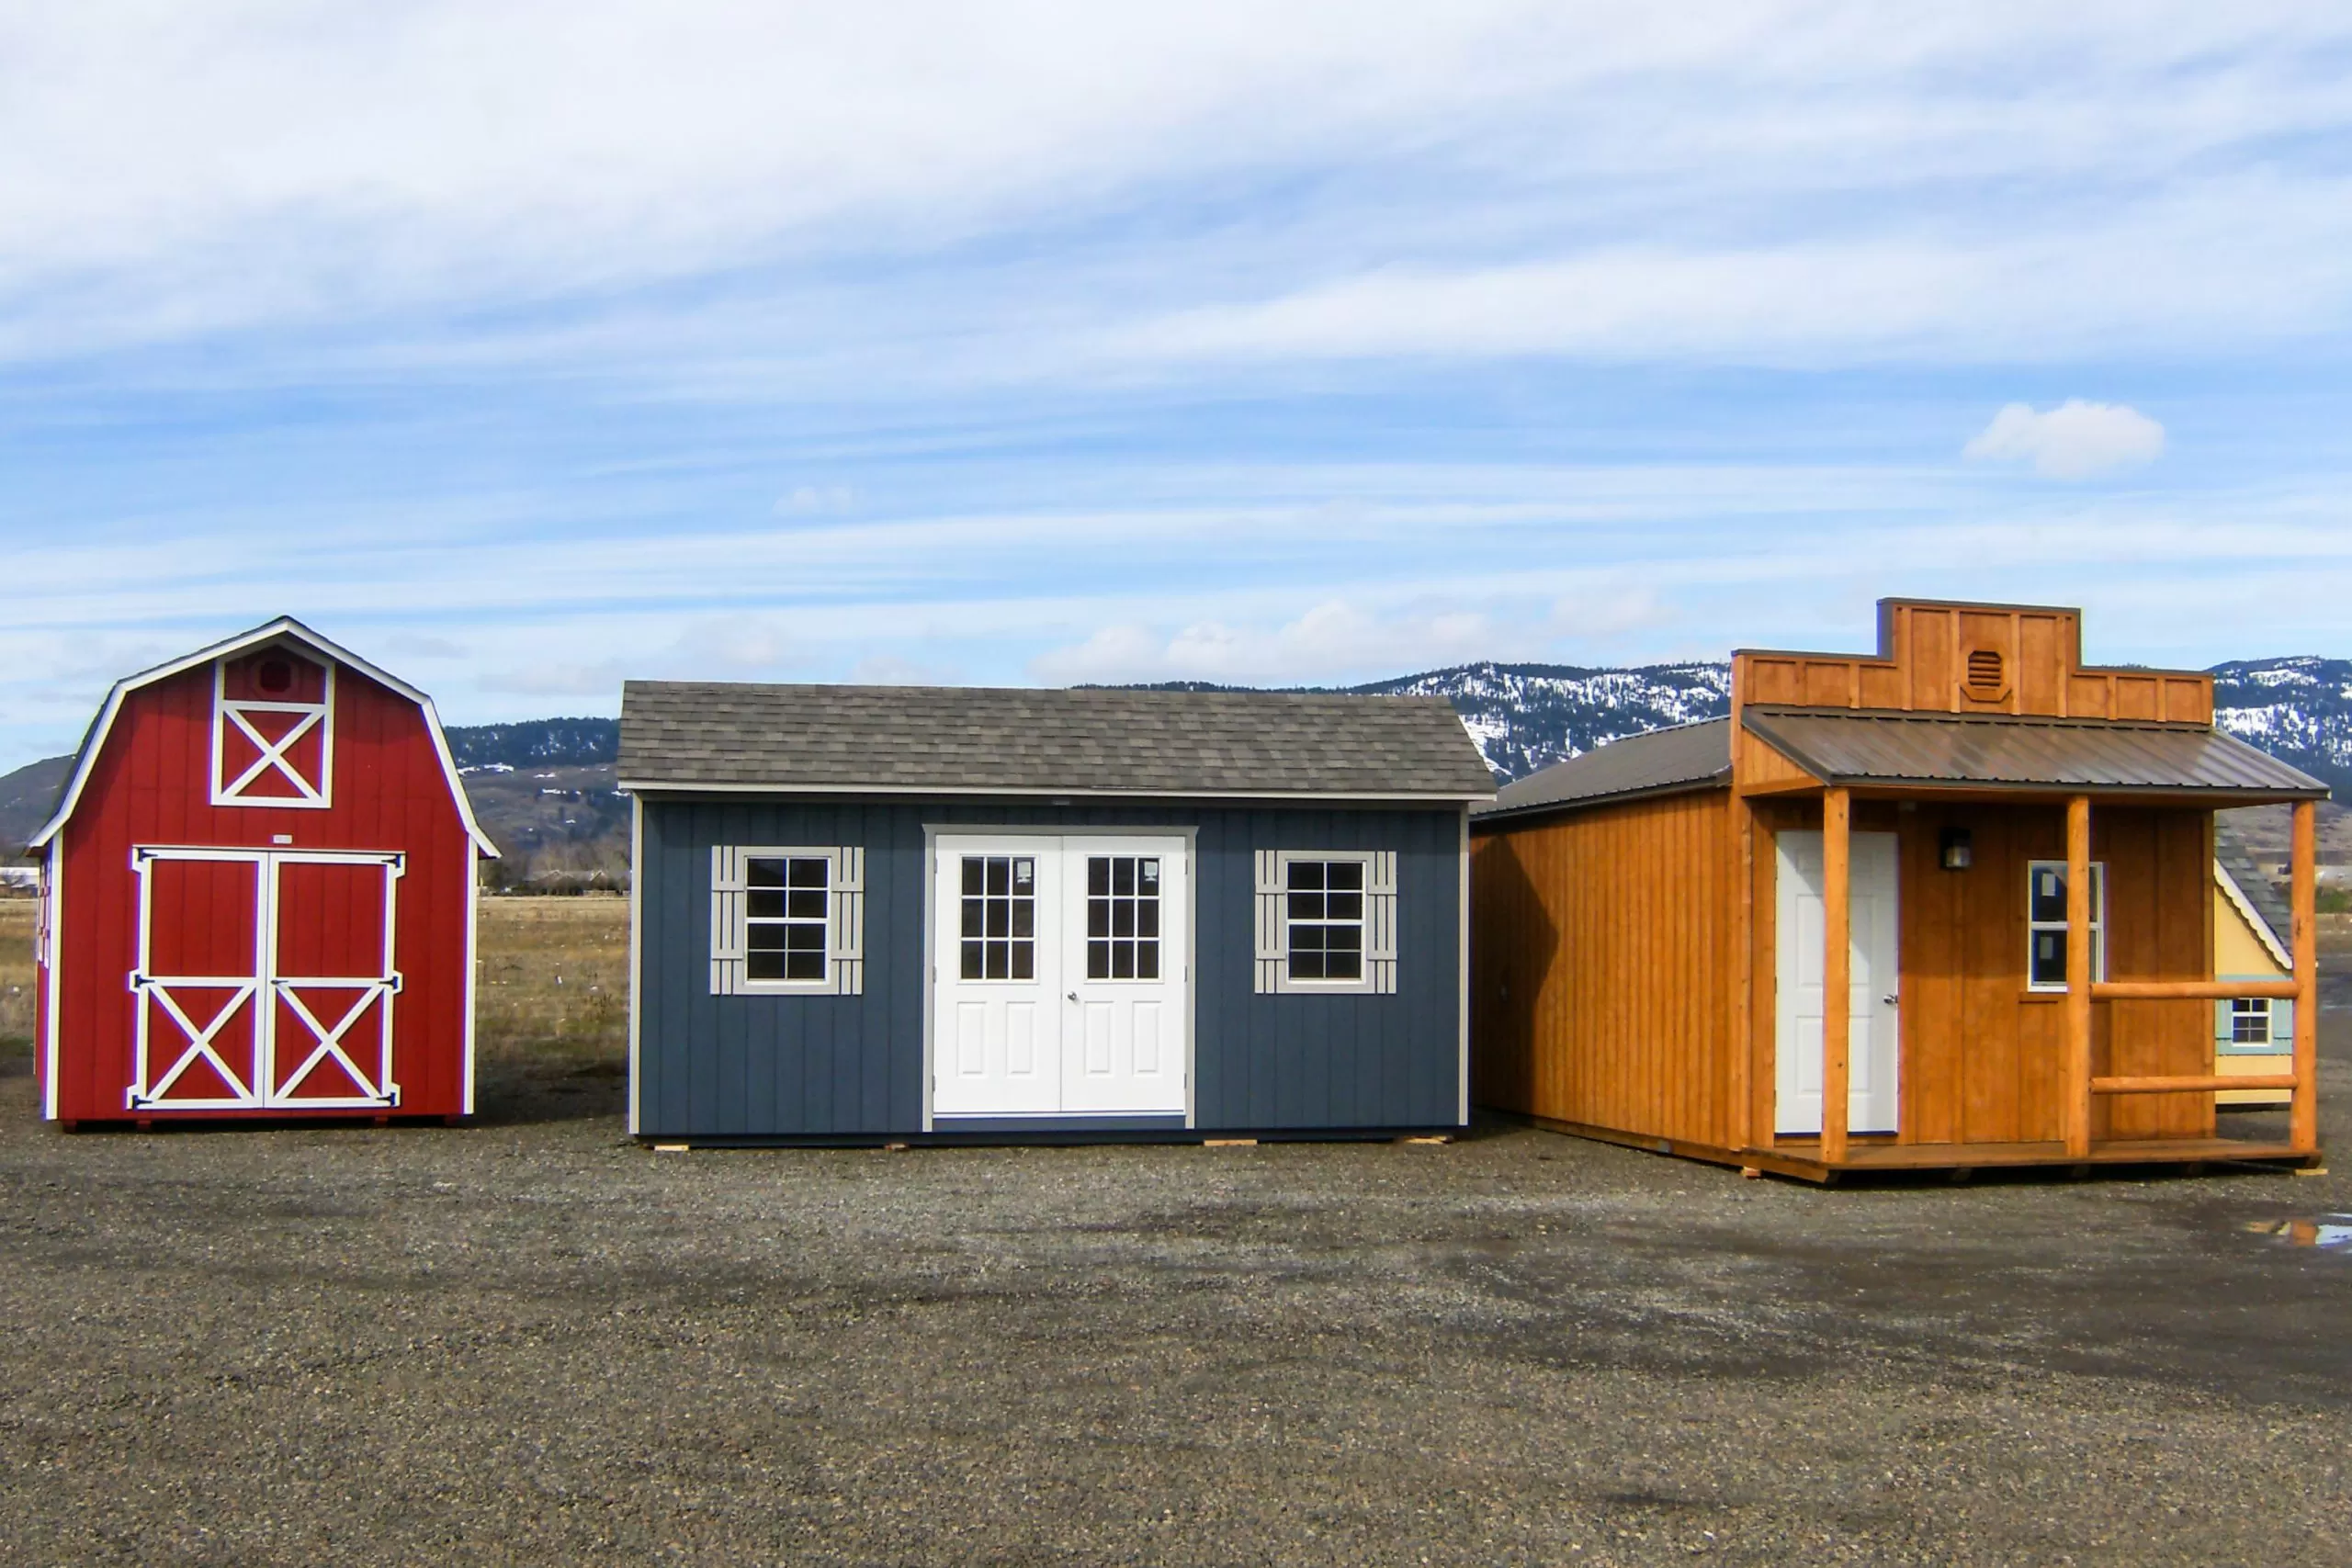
(996, 920)
(1125, 970)
(1874, 1016)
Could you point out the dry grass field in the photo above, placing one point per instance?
(551, 1010)
(15, 974)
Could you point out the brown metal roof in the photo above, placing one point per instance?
(967, 739)
(2094, 756)
(1688, 756)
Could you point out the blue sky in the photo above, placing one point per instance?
(522, 345)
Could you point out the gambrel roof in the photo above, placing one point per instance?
(702, 736)
(284, 630)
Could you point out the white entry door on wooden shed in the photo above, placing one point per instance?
(1061, 973)
(1871, 1102)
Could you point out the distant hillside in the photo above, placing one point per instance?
(2299, 710)
(1526, 716)
(576, 742)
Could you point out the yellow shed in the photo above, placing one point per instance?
(2252, 1035)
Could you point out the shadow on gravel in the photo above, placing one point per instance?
(529, 1093)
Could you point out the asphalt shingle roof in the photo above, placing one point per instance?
(2236, 856)
(685, 734)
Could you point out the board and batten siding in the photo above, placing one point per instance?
(1603, 968)
(823, 1067)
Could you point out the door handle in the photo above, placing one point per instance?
(1888, 998)
(1073, 995)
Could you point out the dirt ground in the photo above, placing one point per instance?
(530, 1341)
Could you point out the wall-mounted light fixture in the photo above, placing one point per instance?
(1954, 850)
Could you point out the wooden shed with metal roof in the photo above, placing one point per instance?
(883, 914)
(1944, 906)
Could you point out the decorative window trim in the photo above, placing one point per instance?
(1273, 977)
(2099, 923)
(271, 762)
(2279, 1012)
(844, 921)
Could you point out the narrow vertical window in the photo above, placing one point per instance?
(2046, 934)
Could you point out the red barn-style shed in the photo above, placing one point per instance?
(257, 896)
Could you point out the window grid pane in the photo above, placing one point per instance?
(1122, 917)
(999, 918)
(1323, 910)
(788, 917)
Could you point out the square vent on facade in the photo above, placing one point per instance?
(1984, 681)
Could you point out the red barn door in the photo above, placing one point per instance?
(201, 960)
(265, 980)
(333, 980)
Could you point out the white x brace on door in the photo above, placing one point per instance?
(266, 979)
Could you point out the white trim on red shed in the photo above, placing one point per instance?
(286, 627)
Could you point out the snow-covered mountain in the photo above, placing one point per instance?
(1526, 716)
(2296, 709)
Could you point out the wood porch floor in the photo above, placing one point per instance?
(1802, 1158)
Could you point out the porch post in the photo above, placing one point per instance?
(2078, 975)
(1836, 963)
(2302, 1125)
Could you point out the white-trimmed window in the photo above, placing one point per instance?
(2254, 1026)
(2045, 913)
(787, 920)
(1326, 921)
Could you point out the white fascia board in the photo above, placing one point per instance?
(2244, 907)
(993, 792)
(286, 628)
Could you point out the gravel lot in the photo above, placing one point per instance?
(531, 1341)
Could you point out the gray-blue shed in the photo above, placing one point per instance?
(866, 914)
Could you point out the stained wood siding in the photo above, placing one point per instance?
(801, 1067)
(1922, 660)
(1603, 965)
(1982, 1056)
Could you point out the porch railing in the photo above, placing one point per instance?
(2082, 990)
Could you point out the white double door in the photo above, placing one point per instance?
(1061, 973)
(1874, 1011)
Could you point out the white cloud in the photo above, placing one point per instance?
(1333, 642)
(2073, 441)
(168, 170)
